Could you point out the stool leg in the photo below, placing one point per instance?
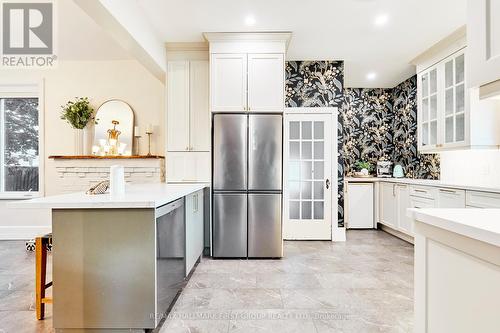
(40, 279)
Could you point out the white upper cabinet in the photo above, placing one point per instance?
(188, 115)
(266, 77)
(450, 114)
(247, 71)
(483, 39)
(199, 122)
(228, 86)
(178, 106)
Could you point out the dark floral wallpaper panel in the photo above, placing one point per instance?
(318, 84)
(373, 124)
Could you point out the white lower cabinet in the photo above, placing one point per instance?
(403, 199)
(451, 198)
(394, 201)
(360, 206)
(388, 204)
(194, 229)
(475, 199)
(188, 167)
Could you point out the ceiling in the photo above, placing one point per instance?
(81, 38)
(374, 55)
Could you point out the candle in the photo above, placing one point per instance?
(149, 129)
(95, 149)
(136, 131)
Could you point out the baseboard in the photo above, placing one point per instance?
(338, 234)
(396, 233)
(23, 232)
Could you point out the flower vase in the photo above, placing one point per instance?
(78, 142)
(88, 136)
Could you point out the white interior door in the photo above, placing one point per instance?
(308, 182)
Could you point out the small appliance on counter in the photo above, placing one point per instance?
(384, 169)
(398, 171)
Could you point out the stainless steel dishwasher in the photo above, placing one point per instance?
(170, 253)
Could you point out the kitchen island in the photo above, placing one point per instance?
(120, 261)
(457, 270)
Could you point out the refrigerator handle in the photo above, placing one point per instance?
(254, 144)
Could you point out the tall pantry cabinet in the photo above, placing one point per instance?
(188, 116)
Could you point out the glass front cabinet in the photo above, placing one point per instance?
(443, 105)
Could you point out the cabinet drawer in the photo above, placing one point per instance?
(423, 192)
(482, 199)
(451, 198)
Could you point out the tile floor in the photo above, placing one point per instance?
(363, 285)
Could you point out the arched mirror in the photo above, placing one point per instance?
(114, 129)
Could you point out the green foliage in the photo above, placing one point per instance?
(78, 113)
(364, 165)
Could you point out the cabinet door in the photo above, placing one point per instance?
(188, 167)
(194, 229)
(451, 198)
(403, 196)
(228, 77)
(483, 40)
(266, 82)
(360, 206)
(178, 106)
(455, 100)
(388, 204)
(198, 100)
(428, 108)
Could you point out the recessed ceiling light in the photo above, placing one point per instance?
(250, 20)
(371, 76)
(381, 20)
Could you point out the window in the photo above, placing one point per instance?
(19, 141)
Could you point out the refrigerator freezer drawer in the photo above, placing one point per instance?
(230, 152)
(265, 152)
(230, 225)
(264, 226)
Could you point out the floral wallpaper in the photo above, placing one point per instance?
(382, 124)
(373, 124)
(318, 84)
(404, 128)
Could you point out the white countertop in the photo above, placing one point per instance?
(480, 224)
(424, 182)
(136, 196)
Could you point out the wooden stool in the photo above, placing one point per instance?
(41, 244)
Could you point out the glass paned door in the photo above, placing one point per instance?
(308, 182)
(454, 127)
(429, 102)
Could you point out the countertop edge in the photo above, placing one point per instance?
(474, 232)
(50, 202)
(422, 182)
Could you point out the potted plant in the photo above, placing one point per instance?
(364, 168)
(79, 113)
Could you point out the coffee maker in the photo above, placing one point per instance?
(384, 169)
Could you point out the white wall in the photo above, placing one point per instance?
(471, 167)
(99, 80)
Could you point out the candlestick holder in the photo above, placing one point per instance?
(149, 142)
(137, 149)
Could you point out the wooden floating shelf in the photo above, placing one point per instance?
(95, 157)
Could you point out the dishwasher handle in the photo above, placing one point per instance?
(168, 208)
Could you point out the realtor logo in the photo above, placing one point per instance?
(28, 34)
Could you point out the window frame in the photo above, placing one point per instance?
(26, 90)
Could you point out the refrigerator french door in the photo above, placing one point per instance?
(247, 185)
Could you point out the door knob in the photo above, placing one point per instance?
(327, 183)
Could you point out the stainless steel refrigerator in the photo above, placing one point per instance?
(247, 185)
